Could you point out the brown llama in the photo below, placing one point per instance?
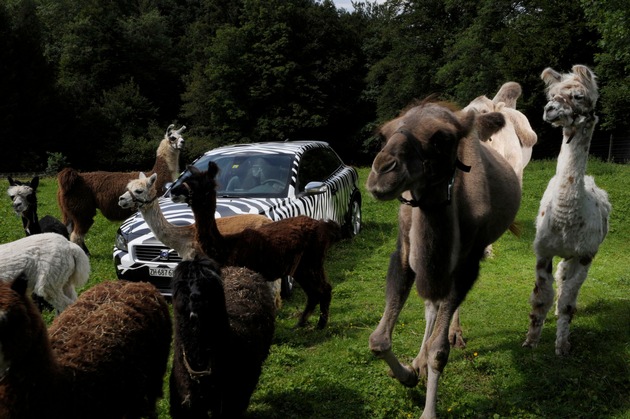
(142, 195)
(104, 357)
(224, 325)
(81, 194)
(292, 246)
(458, 195)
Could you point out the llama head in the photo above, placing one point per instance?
(198, 187)
(572, 96)
(139, 192)
(23, 194)
(174, 137)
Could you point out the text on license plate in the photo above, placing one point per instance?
(161, 271)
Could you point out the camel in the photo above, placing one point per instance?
(142, 195)
(573, 217)
(516, 139)
(81, 194)
(458, 195)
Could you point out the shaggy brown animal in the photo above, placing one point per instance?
(81, 194)
(292, 246)
(224, 326)
(104, 357)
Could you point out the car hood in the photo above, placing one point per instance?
(180, 214)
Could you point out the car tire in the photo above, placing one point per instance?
(352, 226)
(286, 286)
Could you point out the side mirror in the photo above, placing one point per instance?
(315, 188)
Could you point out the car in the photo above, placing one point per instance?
(275, 179)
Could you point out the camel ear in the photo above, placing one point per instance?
(550, 76)
(213, 169)
(489, 123)
(19, 284)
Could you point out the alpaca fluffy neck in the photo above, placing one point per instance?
(30, 222)
(572, 161)
(179, 238)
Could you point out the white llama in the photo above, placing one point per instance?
(573, 217)
(53, 266)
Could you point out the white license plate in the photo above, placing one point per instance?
(161, 271)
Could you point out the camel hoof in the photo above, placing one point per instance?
(457, 341)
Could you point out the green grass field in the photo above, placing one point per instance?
(331, 373)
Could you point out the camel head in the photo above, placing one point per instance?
(420, 151)
(572, 96)
(139, 192)
(22, 194)
(174, 137)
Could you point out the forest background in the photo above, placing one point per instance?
(94, 83)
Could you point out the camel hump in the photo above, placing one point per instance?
(67, 178)
(509, 94)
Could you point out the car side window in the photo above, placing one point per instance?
(317, 165)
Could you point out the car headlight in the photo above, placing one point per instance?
(121, 242)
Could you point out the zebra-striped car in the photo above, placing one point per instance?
(276, 179)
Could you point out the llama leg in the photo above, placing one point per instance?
(541, 300)
(81, 227)
(570, 276)
(399, 282)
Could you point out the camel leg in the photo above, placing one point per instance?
(455, 334)
(541, 300)
(430, 316)
(399, 282)
(570, 276)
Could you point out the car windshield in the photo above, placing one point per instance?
(249, 175)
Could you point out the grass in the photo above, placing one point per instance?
(331, 373)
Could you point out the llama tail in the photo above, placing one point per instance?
(82, 268)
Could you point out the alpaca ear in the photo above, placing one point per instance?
(34, 182)
(550, 76)
(11, 181)
(19, 284)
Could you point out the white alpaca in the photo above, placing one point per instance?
(573, 217)
(516, 139)
(53, 266)
(142, 195)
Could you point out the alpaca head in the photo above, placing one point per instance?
(572, 96)
(199, 188)
(140, 192)
(174, 137)
(22, 194)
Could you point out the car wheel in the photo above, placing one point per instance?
(352, 225)
(286, 286)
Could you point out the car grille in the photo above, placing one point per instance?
(153, 254)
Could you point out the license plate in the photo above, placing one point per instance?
(161, 271)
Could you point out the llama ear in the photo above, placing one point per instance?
(550, 76)
(19, 284)
(141, 175)
(11, 181)
(586, 77)
(152, 179)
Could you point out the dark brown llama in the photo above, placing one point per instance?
(81, 194)
(24, 198)
(224, 326)
(104, 357)
(293, 246)
(458, 196)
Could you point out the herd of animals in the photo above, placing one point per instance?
(458, 175)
